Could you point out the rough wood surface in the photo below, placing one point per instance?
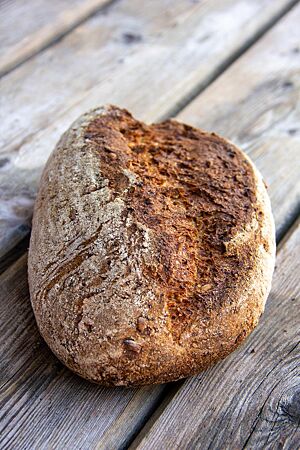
(43, 405)
(39, 395)
(144, 56)
(28, 27)
(256, 103)
(251, 399)
(262, 114)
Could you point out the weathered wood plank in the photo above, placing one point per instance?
(39, 395)
(28, 27)
(256, 103)
(144, 56)
(251, 399)
(43, 405)
(237, 104)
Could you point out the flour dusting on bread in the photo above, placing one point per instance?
(152, 249)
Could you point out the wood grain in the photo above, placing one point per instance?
(28, 27)
(256, 103)
(251, 399)
(144, 56)
(44, 405)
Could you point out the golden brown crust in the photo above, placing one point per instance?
(152, 249)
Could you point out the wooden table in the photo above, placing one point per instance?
(232, 66)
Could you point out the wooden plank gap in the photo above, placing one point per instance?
(261, 409)
(15, 253)
(122, 436)
(222, 67)
(288, 230)
(270, 391)
(167, 395)
(89, 413)
(50, 35)
(187, 44)
(174, 388)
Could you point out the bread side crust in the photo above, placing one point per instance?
(118, 354)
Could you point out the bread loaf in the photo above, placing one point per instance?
(152, 249)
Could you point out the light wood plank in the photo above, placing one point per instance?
(250, 400)
(37, 391)
(146, 56)
(39, 394)
(28, 27)
(43, 405)
(256, 103)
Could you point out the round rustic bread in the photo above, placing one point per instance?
(152, 249)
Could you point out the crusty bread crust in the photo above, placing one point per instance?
(152, 249)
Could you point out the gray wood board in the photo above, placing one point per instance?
(44, 405)
(28, 27)
(251, 399)
(146, 56)
(52, 405)
(256, 104)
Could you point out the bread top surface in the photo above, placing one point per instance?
(152, 249)
(193, 192)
